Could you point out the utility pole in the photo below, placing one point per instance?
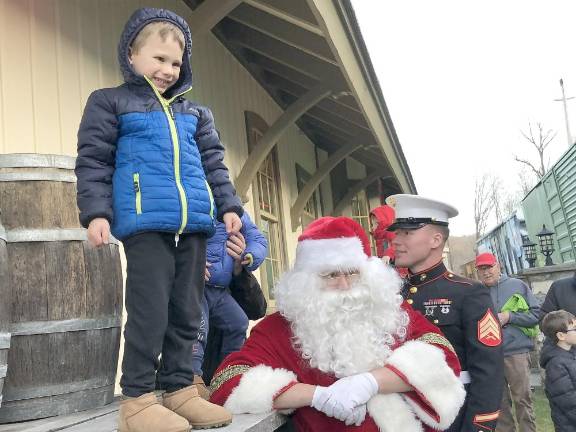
(563, 100)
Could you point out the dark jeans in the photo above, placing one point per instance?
(164, 291)
(222, 312)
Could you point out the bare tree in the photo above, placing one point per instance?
(512, 201)
(525, 181)
(496, 197)
(540, 142)
(483, 203)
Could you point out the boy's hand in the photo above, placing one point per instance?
(207, 272)
(232, 222)
(248, 259)
(235, 246)
(99, 232)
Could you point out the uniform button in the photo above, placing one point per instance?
(435, 321)
(410, 301)
(450, 275)
(423, 277)
(413, 290)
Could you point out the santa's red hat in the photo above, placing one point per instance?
(332, 243)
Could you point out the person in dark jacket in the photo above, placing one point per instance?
(561, 295)
(517, 327)
(148, 161)
(560, 364)
(226, 257)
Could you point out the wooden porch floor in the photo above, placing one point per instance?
(105, 420)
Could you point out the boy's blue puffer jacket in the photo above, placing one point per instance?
(222, 263)
(132, 170)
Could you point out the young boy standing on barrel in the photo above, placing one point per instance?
(148, 161)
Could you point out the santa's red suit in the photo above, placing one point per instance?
(268, 364)
(248, 380)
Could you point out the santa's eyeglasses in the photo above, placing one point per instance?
(350, 276)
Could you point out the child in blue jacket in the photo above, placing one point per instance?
(225, 256)
(150, 171)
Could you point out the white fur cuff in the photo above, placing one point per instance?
(392, 414)
(424, 367)
(257, 388)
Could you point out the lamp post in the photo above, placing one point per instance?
(529, 248)
(546, 244)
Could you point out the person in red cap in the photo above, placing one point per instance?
(343, 352)
(518, 312)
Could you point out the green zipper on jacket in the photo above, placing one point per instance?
(211, 199)
(176, 145)
(138, 191)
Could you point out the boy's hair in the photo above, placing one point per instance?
(554, 322)
(163, 29)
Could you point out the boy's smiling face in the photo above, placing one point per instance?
(159, 60)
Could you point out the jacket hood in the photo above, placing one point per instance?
(549, 351)
(137, 21)
(385, 216)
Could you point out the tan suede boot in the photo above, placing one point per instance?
(200, 413)
(201, 387)
(146, 414)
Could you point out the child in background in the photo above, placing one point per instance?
(226, 256)
(560, 364)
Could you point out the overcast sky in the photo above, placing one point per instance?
(461, 80)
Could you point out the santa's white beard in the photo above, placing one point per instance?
(344, 332)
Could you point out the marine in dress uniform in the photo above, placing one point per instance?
(462, 309)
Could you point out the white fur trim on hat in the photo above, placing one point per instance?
(326, 255)
(391, 413)
(257, 388)
(425, 368)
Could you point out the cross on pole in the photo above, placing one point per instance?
(563, 100)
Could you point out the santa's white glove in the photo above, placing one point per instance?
(341, 398)
(323, 400)
(354, 390)
(357, 417)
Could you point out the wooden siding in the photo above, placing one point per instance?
(54, 53)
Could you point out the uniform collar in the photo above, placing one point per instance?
(427, 275)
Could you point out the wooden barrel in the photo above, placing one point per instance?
(66, 306)
(5, 304)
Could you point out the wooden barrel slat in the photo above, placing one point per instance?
(65, 316)
(62, 404)
(5, 308)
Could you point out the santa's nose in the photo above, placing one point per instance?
(342, 283)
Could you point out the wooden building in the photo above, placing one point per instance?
(290, 82)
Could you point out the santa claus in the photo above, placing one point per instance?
(343, 352)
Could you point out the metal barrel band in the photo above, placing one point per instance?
(34, 160)
(63, 326)
(5, 340)
(49, 235)
(65, 177)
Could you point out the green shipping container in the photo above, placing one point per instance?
(553, 202)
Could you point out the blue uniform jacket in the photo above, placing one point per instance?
(222, 264)
(151, 162)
